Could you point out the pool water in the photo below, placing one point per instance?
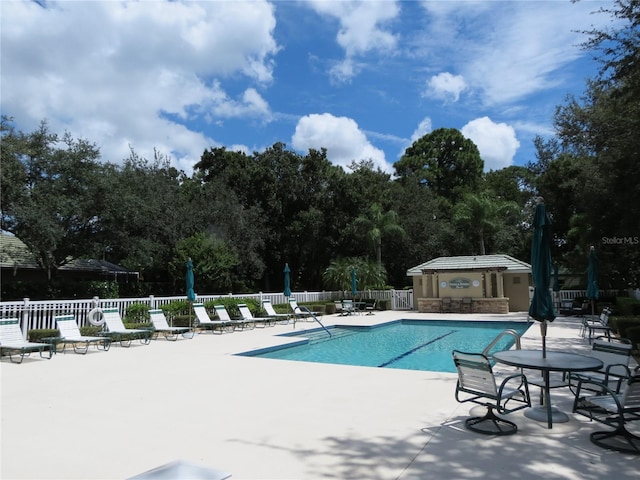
(405, 344)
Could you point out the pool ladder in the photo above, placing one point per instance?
(511, 332)
(305, 309)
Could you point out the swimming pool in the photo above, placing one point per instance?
(406, 344)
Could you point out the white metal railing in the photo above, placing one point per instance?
(37, 314)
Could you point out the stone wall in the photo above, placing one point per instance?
(478, 305)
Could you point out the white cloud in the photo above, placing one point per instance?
(362, 29)
(121, 73)
(423, 128)
(342, 138)
(496, 142)
(446, 86)
(506, 50)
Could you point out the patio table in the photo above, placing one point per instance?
(552, 362)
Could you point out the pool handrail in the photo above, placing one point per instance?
(306, 310)
(511, 332)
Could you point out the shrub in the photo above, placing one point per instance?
(330, 308)
(625, 306)
(622, 324)
(176, 307)
(37, 334)
(633, 334)
(90, 330)
(384, 304)
(136, 313)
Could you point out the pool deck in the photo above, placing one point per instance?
(116, 414)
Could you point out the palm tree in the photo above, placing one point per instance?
(376, 224)
(337, 276)
(482, 214)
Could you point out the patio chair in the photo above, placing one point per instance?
(613, 409)
(70, 333)
(348, 307)
(338, 304)
(267, 306)
(204, 321)
(259, 321)
(119, 333)
(241, 323)
(477, 384)
(592, 325)
(13, 343)
(615, 357)
(299, 313)
(370, 305)
(161, 326)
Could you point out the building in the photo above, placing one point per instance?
(472, 284)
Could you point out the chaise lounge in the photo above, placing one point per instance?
(13, 343)
(71, 335)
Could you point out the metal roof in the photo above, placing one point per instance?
(472, 262)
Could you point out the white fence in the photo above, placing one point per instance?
(40, 313)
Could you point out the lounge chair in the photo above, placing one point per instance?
(161, 326)
(614, 409)
(259, 321)
(70, 333)
(477, 384)
(446, 305)
(119, 333)
(298, 313)
(283, 318)
(242, 324)
(615, 357)
(349, 307)
(205, 321)
(13, 343)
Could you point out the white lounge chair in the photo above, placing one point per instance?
(259, 321)
(13, 343)
(299, 313)
(282, 318)
(205, 321)
(70, 333)
(161, 326)
(242, 324)
(477, 384)
(119, 333)
(614, 409)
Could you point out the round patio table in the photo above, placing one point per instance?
(551, 362)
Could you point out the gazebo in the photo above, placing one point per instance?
(472, 284)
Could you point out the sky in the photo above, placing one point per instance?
(363, 79)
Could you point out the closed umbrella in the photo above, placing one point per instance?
(541, 308)
(593, 294)
(287, 280)
(189, 284)
(354, 282)
(556, 286)
(191, 296)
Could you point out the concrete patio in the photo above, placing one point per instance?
(115, 414)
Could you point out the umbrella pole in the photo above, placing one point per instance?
(543, 331)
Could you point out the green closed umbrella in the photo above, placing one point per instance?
(287, 280)
(354, 282)
(541, 308)
(189, 281)
(593, 294)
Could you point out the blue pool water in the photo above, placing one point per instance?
(406, 344)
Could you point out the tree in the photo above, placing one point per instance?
(375, 224)
(444, 160)
(337, 276)
(53, 210)
(484, 216)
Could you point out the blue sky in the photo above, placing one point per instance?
(362, 79)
